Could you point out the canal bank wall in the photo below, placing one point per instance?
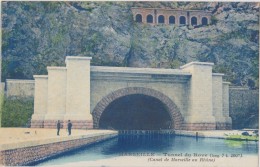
(219, 134)
(29, 152)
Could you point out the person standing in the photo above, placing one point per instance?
(58, 128)
(69, 127)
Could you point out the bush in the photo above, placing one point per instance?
(214, 20)
(16, 112)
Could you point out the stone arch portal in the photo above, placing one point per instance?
(172, 110)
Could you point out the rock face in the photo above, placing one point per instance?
(244, 108)
(40, 34)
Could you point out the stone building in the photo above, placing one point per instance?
(171, 16)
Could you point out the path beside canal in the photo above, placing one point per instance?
(19, 135)
(22, 146)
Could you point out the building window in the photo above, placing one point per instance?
(149, 19)
(171, 20)
(182, 20)
(194, 21)
(161, 19)
(138, 18)
(204, 21)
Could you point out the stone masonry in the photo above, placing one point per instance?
(194, 97)
(19, 88)
(175, 114)
(171, 16)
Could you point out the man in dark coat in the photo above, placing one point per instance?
(69, 127)
(58, 128)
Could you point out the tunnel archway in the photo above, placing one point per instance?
(106, 114)
(135, 112)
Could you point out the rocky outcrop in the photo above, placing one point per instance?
(40, 34)
(244, 108)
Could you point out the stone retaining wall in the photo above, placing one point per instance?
(32, 154)
(199, 126)
(244, 107)
(77, 124)
(19, 88)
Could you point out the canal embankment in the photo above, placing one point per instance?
(220, 134)
(23, 146)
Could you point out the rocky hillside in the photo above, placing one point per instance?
(40, 34)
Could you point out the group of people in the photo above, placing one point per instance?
(69, 126)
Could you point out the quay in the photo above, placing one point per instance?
(24, 146)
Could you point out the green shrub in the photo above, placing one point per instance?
(16, 112)
(214, 20)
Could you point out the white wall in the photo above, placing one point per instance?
(217, 93)
(200, 109)
(40, 97)
(57, 77)
(78, 88)
(19, 88)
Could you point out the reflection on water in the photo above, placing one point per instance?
(157, 144)
(235, 143)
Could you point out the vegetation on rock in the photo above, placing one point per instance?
(40, 34)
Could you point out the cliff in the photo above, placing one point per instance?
(40, 34)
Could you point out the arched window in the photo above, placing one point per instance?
(138, 18)
(204, 21)
(171, 20)
(194, 21)
(149, 19)
(161, 19)
(182, 20)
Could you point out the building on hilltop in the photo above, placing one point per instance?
(171, 16)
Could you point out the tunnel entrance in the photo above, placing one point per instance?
(135, 112)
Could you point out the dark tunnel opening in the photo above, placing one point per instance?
(135, 112)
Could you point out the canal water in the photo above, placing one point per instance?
(131, 145)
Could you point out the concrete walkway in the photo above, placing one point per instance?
(23, 137)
